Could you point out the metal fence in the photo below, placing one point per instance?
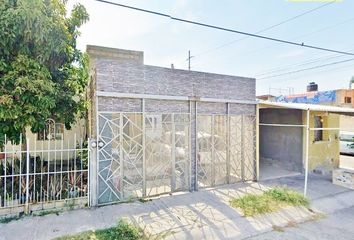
(43, 174)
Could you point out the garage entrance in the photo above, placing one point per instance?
(281, 147)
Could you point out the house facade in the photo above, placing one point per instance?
(283, 136)
(160, 130)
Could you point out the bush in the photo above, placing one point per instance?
(270, 201)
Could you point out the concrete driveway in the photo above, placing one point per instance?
(205, 214)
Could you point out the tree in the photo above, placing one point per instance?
(42, 73)
(351, 82)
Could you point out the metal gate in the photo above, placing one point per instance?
(226, 149)
(142, 155)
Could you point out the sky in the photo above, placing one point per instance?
(165, 41)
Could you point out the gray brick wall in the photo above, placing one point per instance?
(123, 71)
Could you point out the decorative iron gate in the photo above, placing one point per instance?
(142, 155)
(226, 149)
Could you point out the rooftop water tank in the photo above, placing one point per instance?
(312, 87)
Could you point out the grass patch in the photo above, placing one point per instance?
(270, 201)
(144, 200)
(123, 231)
(46, 212)
(9, 219)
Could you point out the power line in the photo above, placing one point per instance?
(306, 69)
(298, 37)
(225, 29)
(291, 78)
(299, 64)
(263, 30)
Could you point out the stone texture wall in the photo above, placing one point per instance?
(123, 71)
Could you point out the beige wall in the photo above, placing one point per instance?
(340, 97)
(323, 155)
(77, 132)
(346, 122)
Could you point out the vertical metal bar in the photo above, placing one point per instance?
(242, 148)
(35, 166)
(75, 169)
(42, 160)
(69, 170)
(20, 192)
(307, 150)
(94, 197)
(5, 172)
(121, 160)
(173, 154)
(88, 173)
(61, 165)
(190, 147)
(81, 166)
(212, 125)
(144, 152)
(27, 175)
(196, 147)
(228, 141)
(257, 142)
(54, 193)
(12, 172)
(48, 164)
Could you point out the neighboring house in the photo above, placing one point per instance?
(283, 135)
(339, 98)
(267, 97)
(53, 137)
(161, 130)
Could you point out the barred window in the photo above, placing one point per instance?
(52, 131)
(318, 124)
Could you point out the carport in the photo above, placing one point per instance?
(296, 133)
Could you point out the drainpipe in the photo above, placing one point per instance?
(307, 149)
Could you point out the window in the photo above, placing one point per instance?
(347, 100)
(52, 131)
(318, 124)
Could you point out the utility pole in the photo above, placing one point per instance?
(189, 60)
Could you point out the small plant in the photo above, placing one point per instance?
(123, 231)
(144, 200)
(9, 219)
(47, 212)
(270, 201)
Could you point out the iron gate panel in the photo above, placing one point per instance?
(142, 155)
(205, 153)
(158, 153)
(249, 147)
(120, 158)
(226, 149)
(236, 149)
(220, 149)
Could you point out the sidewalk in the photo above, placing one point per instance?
(200, 215)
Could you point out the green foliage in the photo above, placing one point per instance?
(270, 201)
(123, 231)
(287, 196)
(42, 73)
(9, 219)
(47, 212)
